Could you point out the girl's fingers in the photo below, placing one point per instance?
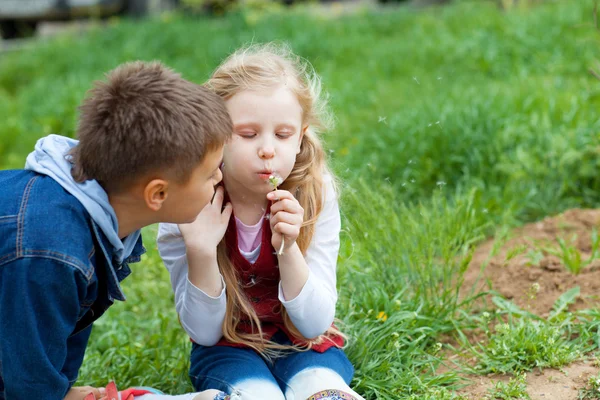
(217, 200)
(285, 217)
(278, 195)
(226, 214)
(287, 230)
(291, 206)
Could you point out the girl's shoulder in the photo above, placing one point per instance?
(166, 230)
(330, 187)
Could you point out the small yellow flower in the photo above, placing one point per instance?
(382, 316)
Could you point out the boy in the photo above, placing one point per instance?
(150, 146)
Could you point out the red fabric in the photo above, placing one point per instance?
(113, 393)
(125, 394)
(260, 283)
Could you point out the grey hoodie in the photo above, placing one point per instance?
(49, 158)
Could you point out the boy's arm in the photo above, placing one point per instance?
(39, 307)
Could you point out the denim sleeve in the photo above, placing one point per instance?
(39, 307)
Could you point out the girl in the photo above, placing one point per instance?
(255, 275)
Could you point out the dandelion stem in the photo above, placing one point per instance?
(275, 181)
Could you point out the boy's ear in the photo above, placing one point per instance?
(302, 132)
(155, 193)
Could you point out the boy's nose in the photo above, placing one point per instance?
(219, 175)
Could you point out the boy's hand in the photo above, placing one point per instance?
(79, 392)
(204, 234)
(287, 216)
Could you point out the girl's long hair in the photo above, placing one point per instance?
(270, 66)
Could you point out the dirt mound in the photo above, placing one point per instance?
(550, 384)
(527, 258)
(532, 256)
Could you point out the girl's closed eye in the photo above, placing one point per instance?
(284, 134)
(247, 134)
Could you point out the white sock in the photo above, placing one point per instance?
(314, 380)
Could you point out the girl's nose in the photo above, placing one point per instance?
(266, 152)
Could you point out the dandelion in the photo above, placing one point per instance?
(275, 181)
(441, 184)
(382, 316)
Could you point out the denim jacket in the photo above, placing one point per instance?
(57, 276)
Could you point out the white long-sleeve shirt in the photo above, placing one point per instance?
(312, 311)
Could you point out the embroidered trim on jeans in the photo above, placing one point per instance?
(332, 395)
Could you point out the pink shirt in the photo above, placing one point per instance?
(248, 236)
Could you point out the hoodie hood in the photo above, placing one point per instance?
(50, 158)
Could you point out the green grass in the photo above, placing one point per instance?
(515, 388)
(518, 341)
(571, 256)
(454, 123)
(592, 390)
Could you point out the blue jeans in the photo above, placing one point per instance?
(296, 375)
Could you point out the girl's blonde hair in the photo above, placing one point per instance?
(266, 67)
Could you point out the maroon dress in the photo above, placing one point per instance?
(260, 282)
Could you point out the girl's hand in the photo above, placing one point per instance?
(286, 219)
(204, 234)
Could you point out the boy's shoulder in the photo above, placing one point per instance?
(40, 218)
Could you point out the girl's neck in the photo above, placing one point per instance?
(248, 207)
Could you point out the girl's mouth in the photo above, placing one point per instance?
(264, 175)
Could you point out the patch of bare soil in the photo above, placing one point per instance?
(550, 384)
(514, 266)
(514, 275)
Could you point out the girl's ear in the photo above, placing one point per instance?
(302, 132)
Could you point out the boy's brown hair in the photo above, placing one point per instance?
(145, 118)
